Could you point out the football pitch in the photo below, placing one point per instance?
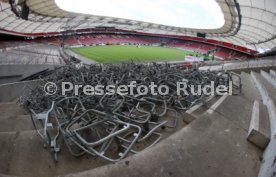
(121, 53)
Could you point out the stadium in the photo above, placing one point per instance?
(109, 89)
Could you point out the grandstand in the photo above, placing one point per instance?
(230, 135)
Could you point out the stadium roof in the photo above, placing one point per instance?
(248, 23)
(202, 14)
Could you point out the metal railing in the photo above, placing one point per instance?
(235, 65)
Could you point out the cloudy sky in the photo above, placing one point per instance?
(180, 13)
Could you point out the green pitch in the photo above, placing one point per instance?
(119, 53)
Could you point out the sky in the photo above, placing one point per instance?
(203, 14)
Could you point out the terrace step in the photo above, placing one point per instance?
(22, 154)
(271, 79)
(238, 109)
(11, 110)
(201, 109)
(272, 73)
(18, 123)
(268, 86)
(258, 132)
(268, 95)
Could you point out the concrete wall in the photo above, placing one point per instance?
(81, 58)
(24, 70)
(12, 91)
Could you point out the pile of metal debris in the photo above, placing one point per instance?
(113, 126)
